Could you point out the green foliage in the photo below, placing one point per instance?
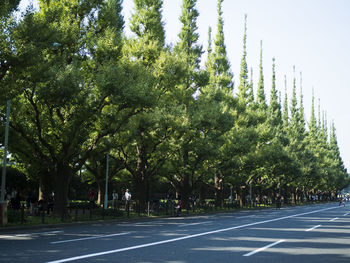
(146, 21)
(219, 72)
(79, 88)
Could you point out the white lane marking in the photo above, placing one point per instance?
(263, 248)
(245, 216)
(40, 233)
(31, 234)
(87, 238)
(185, 237)
(194, 224)
(333, 219)
(312, 228)
(347, 214)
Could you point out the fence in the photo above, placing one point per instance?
(86, 211)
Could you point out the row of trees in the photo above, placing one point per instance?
(80, 88)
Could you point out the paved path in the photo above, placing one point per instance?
(315, 233)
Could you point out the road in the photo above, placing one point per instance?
(313, 233)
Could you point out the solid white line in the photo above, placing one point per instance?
(185, 237)
(86, 238)
(333, 219)
(194, 224)
(312, 228)
(263, 248)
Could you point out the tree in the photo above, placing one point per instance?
(7, 54)
(243, 137)
(338, 178)
(218, 96)
(146, 21)
(220, 63)
(261, 100)
(74, 89)
(184, 140)
(147, 133)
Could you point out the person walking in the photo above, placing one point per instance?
(178, 208)
(92, 198)
(278, 201)
(127, 198)
(115, 199)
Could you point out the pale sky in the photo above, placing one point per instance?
(313, 35)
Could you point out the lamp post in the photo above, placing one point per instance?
(3, 204)
(106, 189)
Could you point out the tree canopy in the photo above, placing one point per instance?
(80, 88)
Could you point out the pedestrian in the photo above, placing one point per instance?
(265, 200)
(115, 199)
(34, 204)
(178, 208)
(127, 198)
(28, 198)
(50, 203)
(92, 198)
(278, 201)
(17, 201)
(127, 195)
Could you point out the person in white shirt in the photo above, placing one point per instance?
(127, 198)
(127, 195)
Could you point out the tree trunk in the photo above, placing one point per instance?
(185, 190)
(45, 185)
(218, 191)
(140, 176)
(62, 179)
(241, 197)
(141, 193)
(101, 192)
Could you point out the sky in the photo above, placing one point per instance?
(312, 35)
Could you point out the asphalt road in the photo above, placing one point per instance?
(314, 233)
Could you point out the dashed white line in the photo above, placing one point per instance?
(30, 234)
(263, 248)
(87, 238)
(312, 228)
(346, 214)
(245, 216)
(333, 219)
(194, 224)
